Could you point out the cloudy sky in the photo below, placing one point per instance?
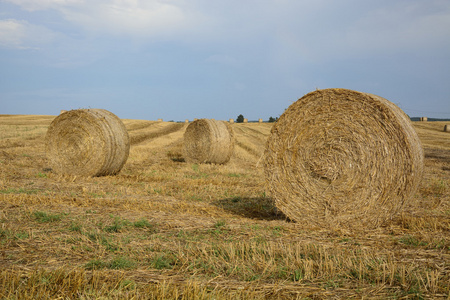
(185, 59)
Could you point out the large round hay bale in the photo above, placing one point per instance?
(87, 142)
(342, 157)
(208, 141)
(446, 128)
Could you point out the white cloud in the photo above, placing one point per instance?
(286, 33)
(138, 18)
(19, 34)
(32, 5)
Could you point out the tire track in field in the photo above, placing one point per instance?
(251, 140)
(143, 137)
(248, 149)
(250, 143)
(139, 126)
(260, 135)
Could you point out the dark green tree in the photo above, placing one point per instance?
(240, 119)
(272, 119)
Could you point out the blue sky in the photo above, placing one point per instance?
(185, 59)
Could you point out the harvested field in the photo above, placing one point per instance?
(165, 228)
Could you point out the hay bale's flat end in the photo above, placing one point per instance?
(208, 141)
(87, 142)
(343, 158)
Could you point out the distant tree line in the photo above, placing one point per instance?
(429, 119)
(240, 119)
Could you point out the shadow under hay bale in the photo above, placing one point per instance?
(339, 157)
(208, 141)
(254, 208)
(87, 142)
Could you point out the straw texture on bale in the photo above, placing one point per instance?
(87, 142)
(342, 157)
(208, 141)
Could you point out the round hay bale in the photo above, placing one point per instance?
(159, 120)
(87, 142)
(186, 121)
(446, 128)
(424, 119)
(342, 157)
(231, 121)
(245, 120)
(208, 141)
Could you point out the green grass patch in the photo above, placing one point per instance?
(143, 223)
(43, 217)
(411, 241)
(95, 264)
(75, 227)
(21, 235)
(122, 262)
(163, 261)
(118, 225)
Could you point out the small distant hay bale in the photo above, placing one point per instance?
(424, 119)
(208, 141)
(260, 120)
(186, 121)
(159, 120)
(447, 128)
(339, 157)
(231, 121)
(245, 120)
(87, 142)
